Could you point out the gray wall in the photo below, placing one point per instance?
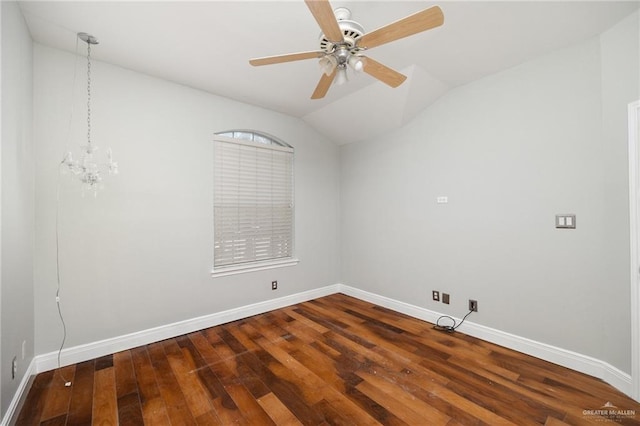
(17, 177)
(620, 65)
(140, 254)
(510, 151)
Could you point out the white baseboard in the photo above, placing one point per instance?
(563, 357)
(20, 395)
(100, 348)
(566, 358)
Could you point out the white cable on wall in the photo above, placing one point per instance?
(58, 281)
(64, 325)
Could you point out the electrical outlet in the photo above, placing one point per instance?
(436, 295)
(14, 368)
(274, 285)
(445, 298)
(473, 305)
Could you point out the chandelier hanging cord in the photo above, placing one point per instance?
(89, 39)
(89, 95)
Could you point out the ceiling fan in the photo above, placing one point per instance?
(343, 42)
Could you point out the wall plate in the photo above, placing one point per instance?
(566, 221)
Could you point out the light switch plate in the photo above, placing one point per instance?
(566, 221)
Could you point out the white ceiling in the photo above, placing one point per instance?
(207, 45)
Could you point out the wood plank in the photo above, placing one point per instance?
(59, 395)
(153, 407)
(278, 412)
(183, 368)
(304, 321)
(104, 362)
(209, 419)
(33, 407)
(481, 365)
(208, 377)
(56, 421)
(289, 368)
(224, 369)
(552, 421)
(81, 405)
(396, 407)
(129, 406)
(423, 409)
(175, 402)
(251, 410)
(214, 374)
(105, 401)
(125, 376)
(129, 410)
(204, 348)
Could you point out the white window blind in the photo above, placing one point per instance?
(253, 202)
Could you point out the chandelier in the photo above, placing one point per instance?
(89, 169)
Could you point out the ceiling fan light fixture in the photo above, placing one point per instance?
(341, 75)
(356, 62)
(327, 64)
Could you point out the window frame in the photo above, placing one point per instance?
(250, 266)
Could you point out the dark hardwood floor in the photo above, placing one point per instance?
(334, 360)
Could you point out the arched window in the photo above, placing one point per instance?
(253, 208)
(253, 136)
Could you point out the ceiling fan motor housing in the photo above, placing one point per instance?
(351, 31)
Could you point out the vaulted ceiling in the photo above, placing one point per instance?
(207, 45)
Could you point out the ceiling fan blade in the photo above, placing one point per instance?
(323, 85)
(322, 11)
(383, 73)
(268, 60)
(412, 24)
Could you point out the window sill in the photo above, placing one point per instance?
(241, 269)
